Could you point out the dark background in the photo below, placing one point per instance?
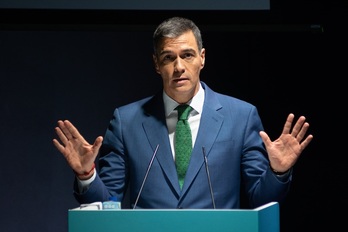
(81, 64)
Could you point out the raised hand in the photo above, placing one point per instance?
(79, 154)
(284, 151)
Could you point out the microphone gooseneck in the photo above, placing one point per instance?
(145, 177)
(208, 175)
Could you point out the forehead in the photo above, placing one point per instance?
(184, 41)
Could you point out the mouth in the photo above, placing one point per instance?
(181, 79)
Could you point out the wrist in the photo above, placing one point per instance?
(278, 173)
(87, 174)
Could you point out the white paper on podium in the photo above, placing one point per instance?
(91, 206)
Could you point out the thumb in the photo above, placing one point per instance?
(97, 144)
(265, 138)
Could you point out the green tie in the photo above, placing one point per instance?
(182, 142)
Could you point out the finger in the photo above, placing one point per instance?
(305, 142)
(63, 125)
(71, 132)
(59, 147)
(97, 143)
(265, 138)
(298, 127)
(288, 124)
(61, 135)
(302, 131)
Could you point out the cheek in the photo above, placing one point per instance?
(165, 74)
(199, 66)
(166, 69)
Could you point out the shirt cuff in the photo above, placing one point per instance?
(84, 184)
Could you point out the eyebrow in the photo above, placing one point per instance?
(169, 51)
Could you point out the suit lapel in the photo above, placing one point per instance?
(157, 133)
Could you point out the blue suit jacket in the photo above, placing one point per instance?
(229, 132)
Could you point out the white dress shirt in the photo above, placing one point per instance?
(194, 117)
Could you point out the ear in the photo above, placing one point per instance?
(202, 57)
(155, 61)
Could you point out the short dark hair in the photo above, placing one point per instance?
(174, 27)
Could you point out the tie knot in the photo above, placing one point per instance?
(183, 111)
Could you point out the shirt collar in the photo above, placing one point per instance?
(196, 102)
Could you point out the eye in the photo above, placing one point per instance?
(167, 57)
(188, 55)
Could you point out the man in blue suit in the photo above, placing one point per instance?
(225, 130)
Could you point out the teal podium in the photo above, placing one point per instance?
(261, 219)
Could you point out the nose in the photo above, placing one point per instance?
(179, 66)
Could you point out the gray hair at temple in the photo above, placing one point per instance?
(174, 27)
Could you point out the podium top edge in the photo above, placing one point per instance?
(266, 206)
(169, 210)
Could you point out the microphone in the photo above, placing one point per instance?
(208, 175)
(146, 174)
